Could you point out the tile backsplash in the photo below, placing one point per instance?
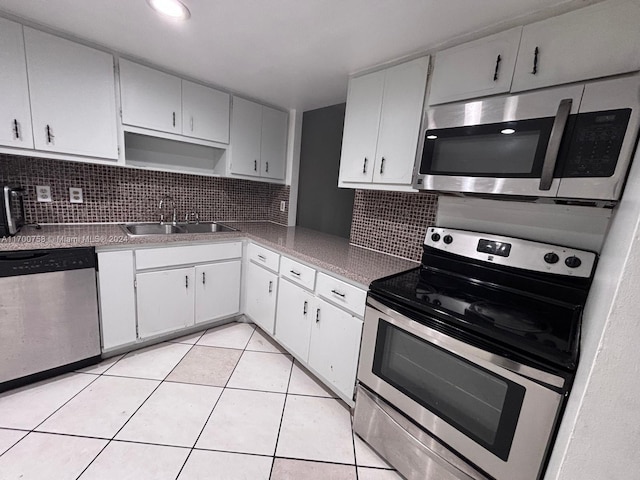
(392, 222)
(117, 194)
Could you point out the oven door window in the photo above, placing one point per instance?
(501, 150)
(477, 402)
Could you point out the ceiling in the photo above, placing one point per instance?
(289, 53)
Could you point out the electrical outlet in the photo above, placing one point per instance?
(283, 206)
(75, 195)
(43, 193)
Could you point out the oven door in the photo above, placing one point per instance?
(484, 407)
(503, 145)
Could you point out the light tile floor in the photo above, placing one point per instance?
(225, 404)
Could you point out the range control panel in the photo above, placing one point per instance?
(512, 252)
(29, 262)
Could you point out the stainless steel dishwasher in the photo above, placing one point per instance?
(48, 313)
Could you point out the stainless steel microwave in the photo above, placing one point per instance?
(566, 143)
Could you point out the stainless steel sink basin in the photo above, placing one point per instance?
(137, 229)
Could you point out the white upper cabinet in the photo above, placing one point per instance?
(475, 69)
(205, 112)
(402, 103)
(246, 126)
(361, 123)
(595, 41)
(382, 124)
(72, 96)
(273, 143)
(150, 99)
(258, 140)
(15, 114)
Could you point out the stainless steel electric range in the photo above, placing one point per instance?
(467, 360)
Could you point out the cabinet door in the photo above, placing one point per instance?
(217, 290)
(165, 301)
(335, 346)
(205, 113)
(294, 318)
(475, 69)
(595, 41)
(117, 298)
(246, 126)
(15, 114)
(402, 103)
(361, 122)
(273, 143)
(261, 290)
(150, 99)
(73, 101)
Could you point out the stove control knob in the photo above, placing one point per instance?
(447, 239)
(435, 237)
(551, 258)
(573, 262)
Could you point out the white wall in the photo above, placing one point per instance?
(600, 431)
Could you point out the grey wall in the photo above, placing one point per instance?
(321, 204)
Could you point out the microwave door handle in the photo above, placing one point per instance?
(553, 147)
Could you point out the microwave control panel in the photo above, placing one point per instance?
(596, 143)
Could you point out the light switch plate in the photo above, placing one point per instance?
(75, 195)
(283, 206)
(43, 193)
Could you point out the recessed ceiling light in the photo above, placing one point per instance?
(170, 8)
(431, 137)
(508, 131)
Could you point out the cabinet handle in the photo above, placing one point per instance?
(174, 119)
(16, 128)
(364, 166)
(50, 135)
(297, 274)
(270, 286)
(317, 315)
(382, 166)
(262, 257)
(266, 167)
(203, 278)
(335, 292)
(255, 165)
(304, 307)
(186, 281)
(192, 124)
(535, 61)
(495, 73)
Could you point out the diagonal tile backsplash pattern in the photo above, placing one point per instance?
(117, 194)
(393, 222)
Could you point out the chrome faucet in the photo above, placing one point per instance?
(174, 217)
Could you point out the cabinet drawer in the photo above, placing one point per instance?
(170, 256)
(341, 293)
(298, 273)
(263, 256)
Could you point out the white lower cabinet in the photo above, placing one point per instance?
(217, 289)
(294, 318)
(165, 301)
(260, 292)
(335, 346)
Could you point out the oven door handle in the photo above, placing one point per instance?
(553, 147)
(463, 349)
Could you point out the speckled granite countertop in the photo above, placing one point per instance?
(328, 252)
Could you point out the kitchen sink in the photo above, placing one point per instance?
(137, 229)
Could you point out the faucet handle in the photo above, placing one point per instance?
(192, 215)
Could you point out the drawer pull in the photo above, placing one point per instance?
(262, 257)
(186, 281)
(297, 274)
(317, 315)
(335, 292)
(304, 307)
(270, 286)
(203, 278)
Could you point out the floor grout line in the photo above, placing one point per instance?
(284, 406)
